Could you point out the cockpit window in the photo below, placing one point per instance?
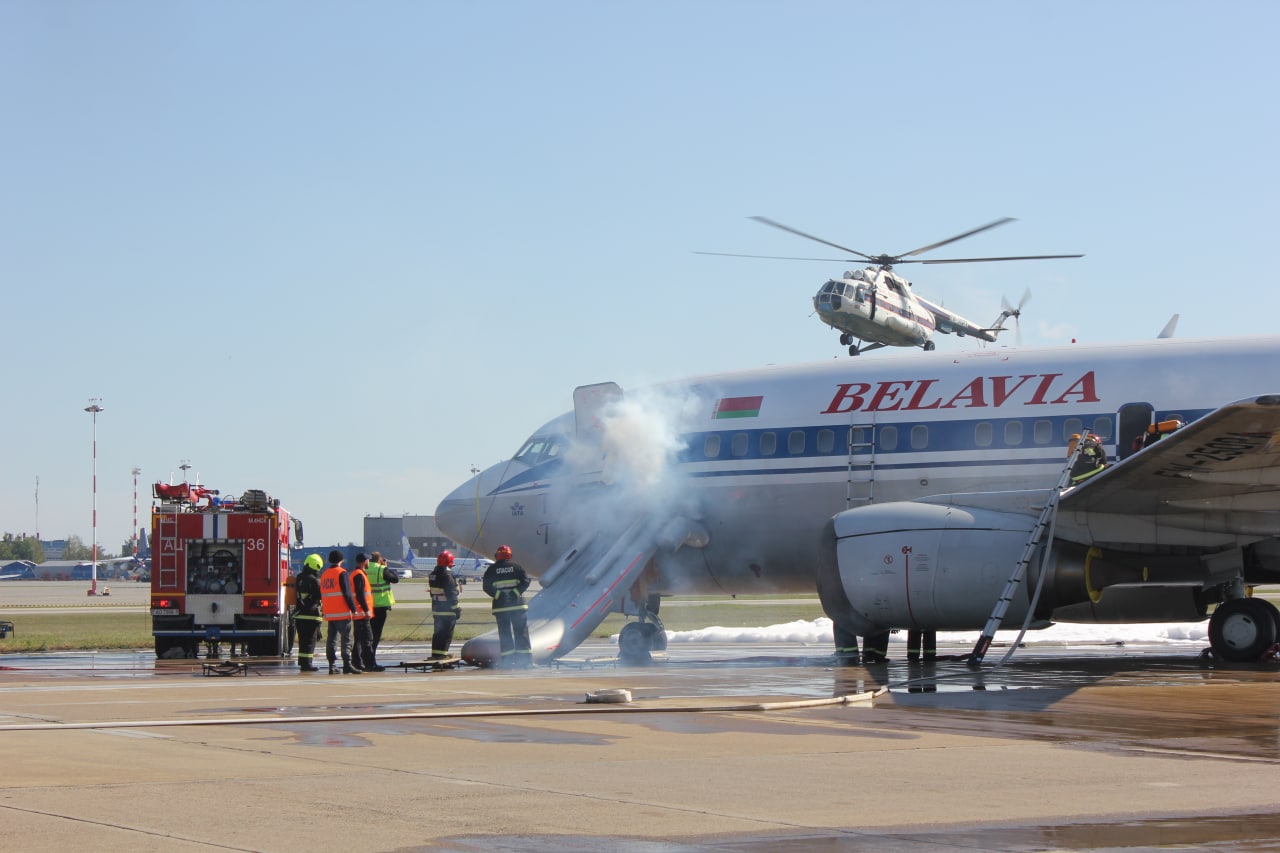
(540, 448)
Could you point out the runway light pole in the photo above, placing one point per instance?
(93, 408)
(136, 472)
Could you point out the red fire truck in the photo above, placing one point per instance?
(218, 571)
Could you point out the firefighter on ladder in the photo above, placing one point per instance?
(444, 605)
(307, 616)
(506, 581)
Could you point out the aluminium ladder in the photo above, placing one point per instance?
(1047, 516)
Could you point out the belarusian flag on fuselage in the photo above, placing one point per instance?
(737, 407)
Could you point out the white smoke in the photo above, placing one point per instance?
(628, 463)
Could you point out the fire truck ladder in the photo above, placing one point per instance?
(167, 564)
(855, 444)
(1048, 515)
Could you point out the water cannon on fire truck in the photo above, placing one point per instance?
(219, 567)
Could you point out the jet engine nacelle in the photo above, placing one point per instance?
(915, 565)
(942, 568)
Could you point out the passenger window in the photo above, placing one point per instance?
(711, 447)
(768, 443)
(1042, 433)
(826, 440)
(919, 437)
(1013, 433)
(1069, 428)
(739, 445)
(795, 442)
(1102, 428)
(888, 438)
(982, 434)
(857, 440)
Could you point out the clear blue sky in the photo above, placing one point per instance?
(342, 252)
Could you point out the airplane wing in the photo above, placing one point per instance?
(1218, 476)
(953, 324)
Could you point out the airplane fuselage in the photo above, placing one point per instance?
(766, 457)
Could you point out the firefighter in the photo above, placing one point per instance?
(307, 616)
(362, 657)
(1091, 460)
(505, 582)
(380, 579)
(444, 604)
(338, 606)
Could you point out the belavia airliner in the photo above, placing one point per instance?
(908, 491)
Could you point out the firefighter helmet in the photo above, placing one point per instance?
(313, 561)
(503, 553)
(445, 559)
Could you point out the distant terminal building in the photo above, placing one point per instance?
(384, 533)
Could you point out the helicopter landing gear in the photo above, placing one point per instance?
(853, 350)
(928, 346)
(845, 339)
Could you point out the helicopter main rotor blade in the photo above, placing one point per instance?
(977, 230)
(764, 220)
(984, 260)
(777, 257)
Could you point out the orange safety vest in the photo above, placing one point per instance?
(368, 594)
(332, 603)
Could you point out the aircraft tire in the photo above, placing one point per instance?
(634, 643)
(656, 636)
(1241, 629)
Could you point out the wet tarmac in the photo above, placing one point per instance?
(1089, 749)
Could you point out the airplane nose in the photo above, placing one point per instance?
(457, 514)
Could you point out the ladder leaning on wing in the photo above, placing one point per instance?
(1047, 516)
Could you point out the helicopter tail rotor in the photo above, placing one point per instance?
(1007, 311)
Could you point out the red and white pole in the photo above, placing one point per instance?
(93, 408)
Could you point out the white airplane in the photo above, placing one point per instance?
(906, 491)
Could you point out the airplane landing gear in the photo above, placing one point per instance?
(1241, 629)
(638, 640)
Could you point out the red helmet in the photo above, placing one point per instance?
(445, 559)
(503, 553)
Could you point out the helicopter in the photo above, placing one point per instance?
(874, 307)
